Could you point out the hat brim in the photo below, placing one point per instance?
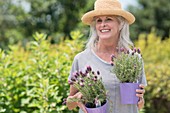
(88, 17)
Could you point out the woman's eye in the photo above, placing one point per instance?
(99, 21)
(108, 19)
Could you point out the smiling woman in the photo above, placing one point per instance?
(107, 29)
(109, 25)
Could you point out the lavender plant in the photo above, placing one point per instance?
(91, 87)
(127, 65)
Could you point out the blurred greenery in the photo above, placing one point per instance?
(157, 67)
(34, 79)
(19, 19)
(151, 14)
(34, 71)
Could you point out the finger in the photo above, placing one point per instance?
(78, 95)
(139, 95)
(142, 86)
(82, 107)
(141, 91)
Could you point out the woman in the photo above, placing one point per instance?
(109, 26)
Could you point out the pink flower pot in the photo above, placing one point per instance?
(128, 93)
(102, 109)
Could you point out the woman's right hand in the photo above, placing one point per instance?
(79, 104)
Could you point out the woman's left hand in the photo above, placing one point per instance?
(140, 93)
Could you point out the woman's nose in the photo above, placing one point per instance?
(103, 23)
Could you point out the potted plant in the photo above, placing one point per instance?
(127, 66)
(92, 89)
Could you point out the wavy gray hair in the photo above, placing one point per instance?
(124, 40)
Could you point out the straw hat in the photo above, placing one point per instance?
(107, 7)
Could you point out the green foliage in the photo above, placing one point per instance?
(157, 66)
(90, 86)
(11, 16)
(55, 18)
(149, 14)
(127, 66)
(34, 79)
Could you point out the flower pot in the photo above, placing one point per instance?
(128, 93)
(102, 109)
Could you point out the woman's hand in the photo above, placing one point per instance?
(140, 93)
(79, 104)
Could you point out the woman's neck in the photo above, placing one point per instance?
(106, 47)
(104, 51)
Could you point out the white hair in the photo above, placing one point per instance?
(124, 40)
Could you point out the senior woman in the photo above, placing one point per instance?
(109, 26)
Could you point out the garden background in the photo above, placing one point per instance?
(39, 39)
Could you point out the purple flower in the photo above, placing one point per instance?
(133, 53)
(64, 102)
(81, 73)
(89, 68)
(70, 82)
(112, 57)
(73, 79)
(121, 49)
(112, 64)
(81, 80)
(134, 50)
(95, 77)
(84, 75)
(98, 72)
(77, 74)
(138, 50)
(91, 80)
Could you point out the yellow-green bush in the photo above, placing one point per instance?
(34, 79)
(156, 54)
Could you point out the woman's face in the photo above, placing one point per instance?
(107, 27)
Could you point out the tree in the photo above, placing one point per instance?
(10, 17)
(149, 14)
(56, 18)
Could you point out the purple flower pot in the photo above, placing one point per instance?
(128, 93)
(102, 109)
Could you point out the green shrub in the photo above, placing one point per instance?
(34, 79)
(157, 66)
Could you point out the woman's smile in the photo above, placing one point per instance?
(105, 30)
